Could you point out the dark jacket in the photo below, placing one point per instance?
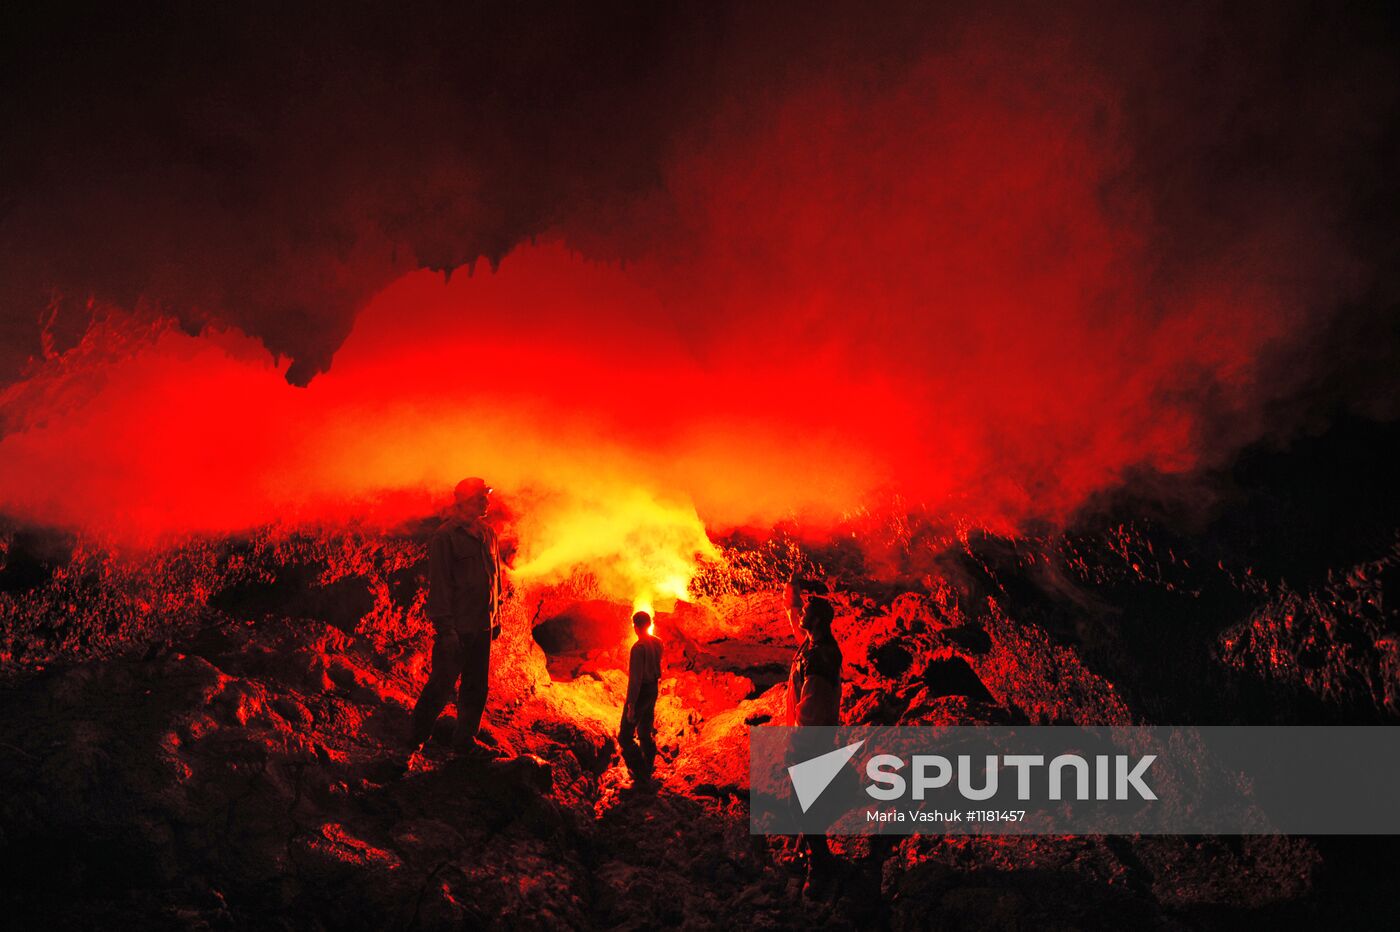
(814, 684)
(643, 669)
(464, 575)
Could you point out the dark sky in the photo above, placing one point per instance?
(274, 167)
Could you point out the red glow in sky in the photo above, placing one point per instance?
(939, 281)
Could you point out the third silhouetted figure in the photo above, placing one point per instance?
(813, 699)
(814, 680)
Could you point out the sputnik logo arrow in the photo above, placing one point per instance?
(811, 777)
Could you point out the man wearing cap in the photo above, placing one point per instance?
(464, 591)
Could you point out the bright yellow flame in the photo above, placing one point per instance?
(638, 547)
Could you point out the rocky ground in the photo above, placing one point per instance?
(245, 770)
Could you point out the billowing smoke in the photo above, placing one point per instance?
(751, 264)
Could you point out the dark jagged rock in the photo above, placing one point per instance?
(247, 771)
(952, 676)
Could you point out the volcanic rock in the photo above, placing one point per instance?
(250, 773)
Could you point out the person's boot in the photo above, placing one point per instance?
(487, 737)
(472, 747)
(474, 751)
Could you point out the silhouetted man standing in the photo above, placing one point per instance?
(464, 591)
(813, 699)
(637, 732)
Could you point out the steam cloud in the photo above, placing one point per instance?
(754, 262)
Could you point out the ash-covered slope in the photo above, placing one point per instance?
(211, 738)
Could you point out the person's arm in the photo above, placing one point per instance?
(634, 682)
(439, 604)
(794, 690)
(792, 594)
(494, 555)
(496, 561)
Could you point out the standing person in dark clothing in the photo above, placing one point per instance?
(814, 680)
(639, 713)
(813, 698)
(464, 592)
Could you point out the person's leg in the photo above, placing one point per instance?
(445, 667)
(818, 849)
(646, 727)
(821, 865)
(476, 679)
(812, 846)
(627, 743)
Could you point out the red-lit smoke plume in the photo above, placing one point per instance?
(988, 264)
